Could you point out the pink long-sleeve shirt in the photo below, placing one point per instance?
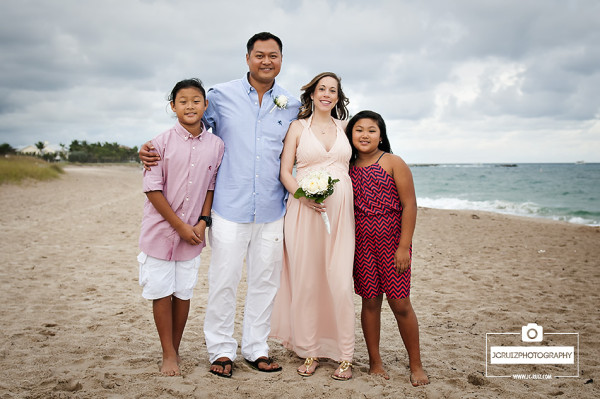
(186, 171)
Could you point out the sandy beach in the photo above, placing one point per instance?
(74, 324)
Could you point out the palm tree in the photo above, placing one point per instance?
(63, 151)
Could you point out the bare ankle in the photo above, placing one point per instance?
(170, 366)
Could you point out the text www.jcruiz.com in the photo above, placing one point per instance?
(532, 377)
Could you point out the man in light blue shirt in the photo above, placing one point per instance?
(253, 129)
(248, 206)
(251, 115)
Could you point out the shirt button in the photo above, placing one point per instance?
(187, 198)
(192, 165)
(257, 157)
(189, 182)
(193, 148)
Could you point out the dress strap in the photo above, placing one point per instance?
(338, 124)
(382, 154)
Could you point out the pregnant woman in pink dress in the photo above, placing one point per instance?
(313, 313)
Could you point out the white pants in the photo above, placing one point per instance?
(262, 245)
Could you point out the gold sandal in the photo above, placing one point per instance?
(344, 366)
(307, 363)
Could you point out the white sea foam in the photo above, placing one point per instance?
(506, 207)
(578, 220)
(527, 208)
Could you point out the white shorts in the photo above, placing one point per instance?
(161, 278)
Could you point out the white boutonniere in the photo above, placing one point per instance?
(280, 101)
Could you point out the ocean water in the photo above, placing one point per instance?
(567, 192)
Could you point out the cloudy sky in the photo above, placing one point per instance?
(456, 81)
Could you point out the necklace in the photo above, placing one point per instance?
(323, 129)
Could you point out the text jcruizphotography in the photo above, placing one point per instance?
(529, 355)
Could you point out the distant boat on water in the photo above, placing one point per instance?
(580, 162)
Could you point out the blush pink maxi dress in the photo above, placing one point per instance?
(313, 314)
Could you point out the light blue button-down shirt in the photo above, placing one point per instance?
(248, 187)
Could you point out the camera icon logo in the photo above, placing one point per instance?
(532, 333)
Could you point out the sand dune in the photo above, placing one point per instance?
(73, 323)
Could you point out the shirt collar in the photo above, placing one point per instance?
(184, 134)
(273, 91)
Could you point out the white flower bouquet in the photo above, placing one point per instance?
(317, 185)
(280, 101)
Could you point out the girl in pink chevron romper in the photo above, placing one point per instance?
(385, 210)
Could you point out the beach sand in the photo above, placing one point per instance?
(74, 325)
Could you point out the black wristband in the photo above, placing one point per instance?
(207, 219)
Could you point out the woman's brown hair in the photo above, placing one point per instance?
(340, 111)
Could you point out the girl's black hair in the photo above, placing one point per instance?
(186, 84)
(384, 143)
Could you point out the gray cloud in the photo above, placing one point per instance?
(461, 81)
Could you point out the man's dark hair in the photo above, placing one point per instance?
(263, 36)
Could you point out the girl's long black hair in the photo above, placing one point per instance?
(384, 143)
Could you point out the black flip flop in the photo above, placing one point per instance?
(222, 363)
(260, 360)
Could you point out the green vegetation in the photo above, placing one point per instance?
(6, 149)
(82, 152)
(97, 152)
(15, 169)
